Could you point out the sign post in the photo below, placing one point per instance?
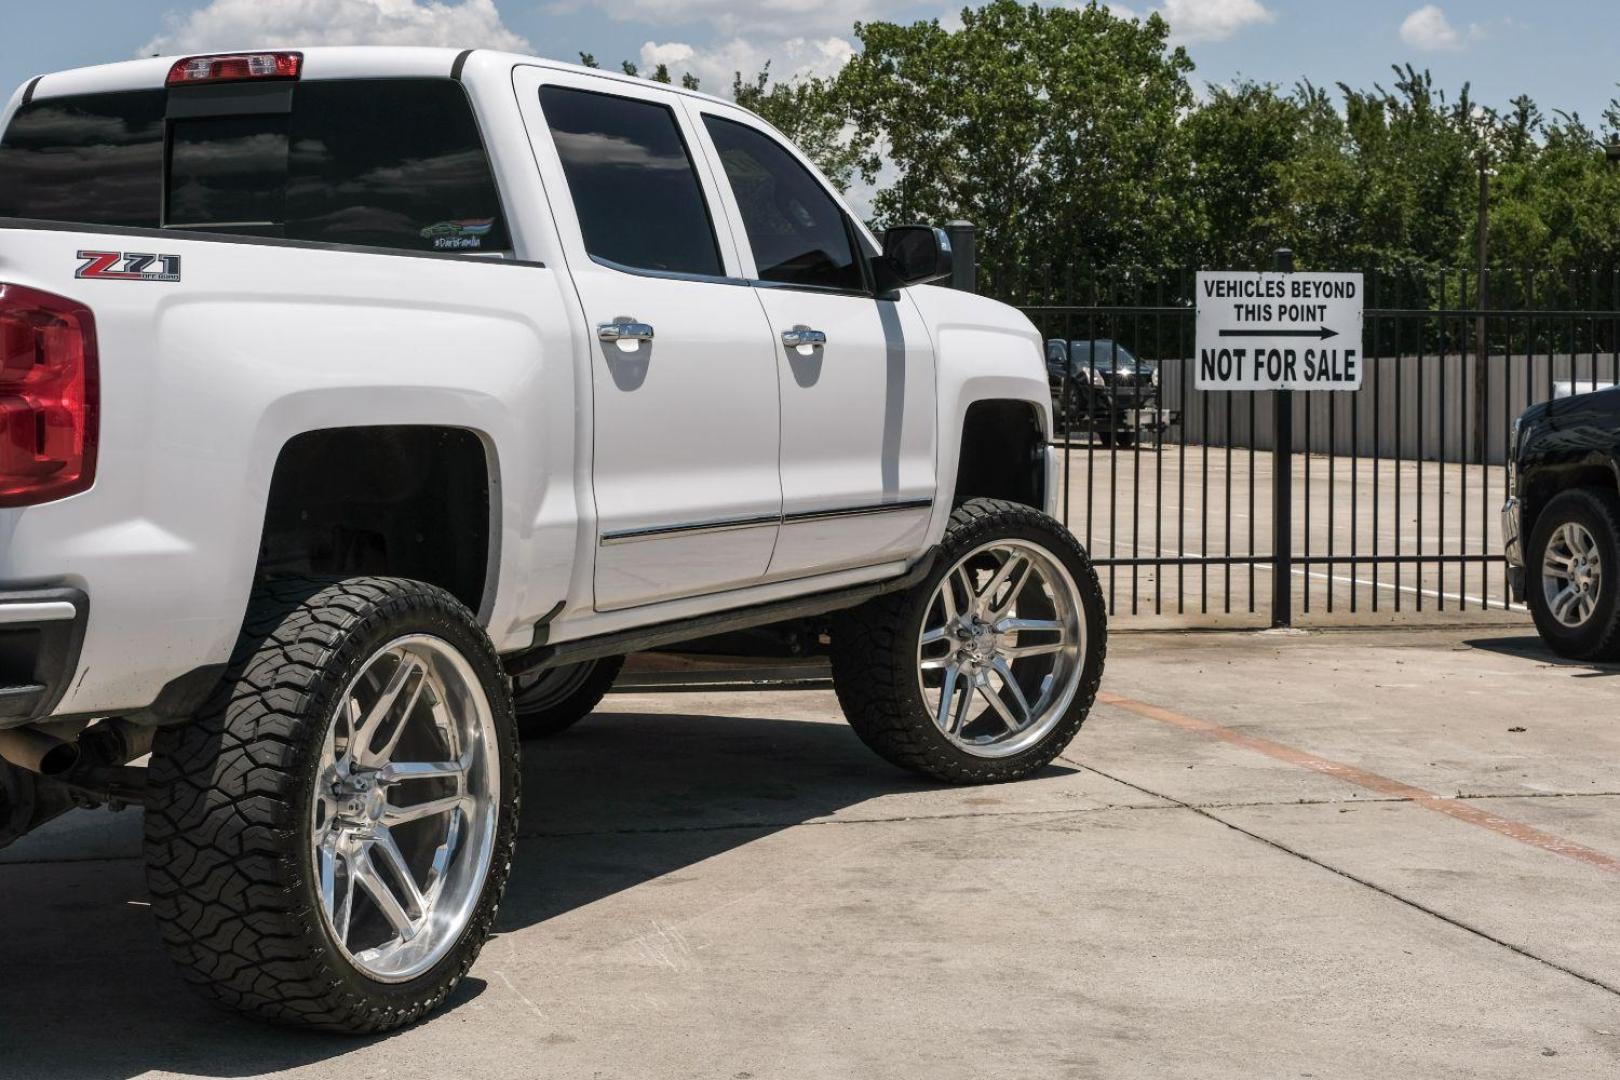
(1281, 331)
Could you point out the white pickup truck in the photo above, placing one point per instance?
(360, 408)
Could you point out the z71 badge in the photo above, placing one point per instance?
(128, 266)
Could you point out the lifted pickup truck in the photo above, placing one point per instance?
(362, 407)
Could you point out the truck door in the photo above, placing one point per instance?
(856, 370)
(686, 416)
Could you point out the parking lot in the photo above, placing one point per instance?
(1354, 853)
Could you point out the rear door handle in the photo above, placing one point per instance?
(624, 329)
(803, 338)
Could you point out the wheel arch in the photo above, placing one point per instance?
(417, 501)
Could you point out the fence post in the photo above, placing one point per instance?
(1282, 488)
(964, 255)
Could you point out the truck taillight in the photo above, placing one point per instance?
(48, 396)
(235, 67)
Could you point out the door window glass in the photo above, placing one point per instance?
(796, 230)
(634, 186)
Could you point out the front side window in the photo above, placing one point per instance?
(796, 230)
(392, 163)
(636, 191)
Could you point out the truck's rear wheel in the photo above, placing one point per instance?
(551, 701)
(328, 841)
(985, 670)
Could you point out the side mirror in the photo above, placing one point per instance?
(914, 255)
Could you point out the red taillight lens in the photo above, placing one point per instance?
(235, 67)
(48, 397)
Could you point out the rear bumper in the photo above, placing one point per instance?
(41, 634)
(1513, 548)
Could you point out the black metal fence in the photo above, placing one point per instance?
(1395, 489)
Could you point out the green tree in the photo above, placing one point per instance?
(1053, 129)
(813, 114)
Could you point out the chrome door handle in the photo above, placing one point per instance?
(802, 338)
(624, 328)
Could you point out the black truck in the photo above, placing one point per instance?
(1561, 523)
(1100, 388)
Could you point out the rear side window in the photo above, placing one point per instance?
(96, 159)
(635, 189)
(394, 163)
(796, 230)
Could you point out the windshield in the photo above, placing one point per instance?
(1104, 356)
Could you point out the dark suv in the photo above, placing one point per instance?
(1561, 524)
(1100, 387)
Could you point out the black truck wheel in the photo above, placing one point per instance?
(1572, 572)
(551, 701)
(328, 840)
(985, 670)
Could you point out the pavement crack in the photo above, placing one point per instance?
(1415, 905)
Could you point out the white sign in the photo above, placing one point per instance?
(1277, 331)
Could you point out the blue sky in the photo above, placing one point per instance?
(1561, 52)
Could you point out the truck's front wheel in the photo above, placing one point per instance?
(328, 842)
(985, 670)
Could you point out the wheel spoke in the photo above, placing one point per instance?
(1004, 669)
(397, 771)
(964, 700)
(1006, 714)
(399, 815)
(399, 696)
(404, 907)
(1564, 601)
(1014, 590)
(1019, 626)
(985, 601)
(947, 691)
(931, 637)
(1020, 652)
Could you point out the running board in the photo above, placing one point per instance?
(642, 638)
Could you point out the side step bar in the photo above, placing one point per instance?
(719, 622)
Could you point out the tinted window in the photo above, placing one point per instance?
(95, 159)
(398, 163)
(634, 186)
(395, 163)
(229, 172)
(796, 229)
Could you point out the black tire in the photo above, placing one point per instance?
(874, 657)
(1598, 637)
(558, 698)
(228, 827)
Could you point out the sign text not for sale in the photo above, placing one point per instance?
(1279, 331)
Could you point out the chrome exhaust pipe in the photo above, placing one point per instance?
(35, 752)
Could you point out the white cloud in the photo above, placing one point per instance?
(1212, 20)
(1192, 21)
(238, 24)
(716, 64)
(1428, 29)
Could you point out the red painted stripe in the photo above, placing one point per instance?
(1458, 809)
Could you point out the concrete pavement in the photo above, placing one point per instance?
(1324, 855)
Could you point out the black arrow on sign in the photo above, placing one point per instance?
(1323, 332)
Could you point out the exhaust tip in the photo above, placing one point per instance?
(59, 759)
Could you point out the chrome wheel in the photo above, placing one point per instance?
(1002, 648)
(405, 808)
(1571, 574)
